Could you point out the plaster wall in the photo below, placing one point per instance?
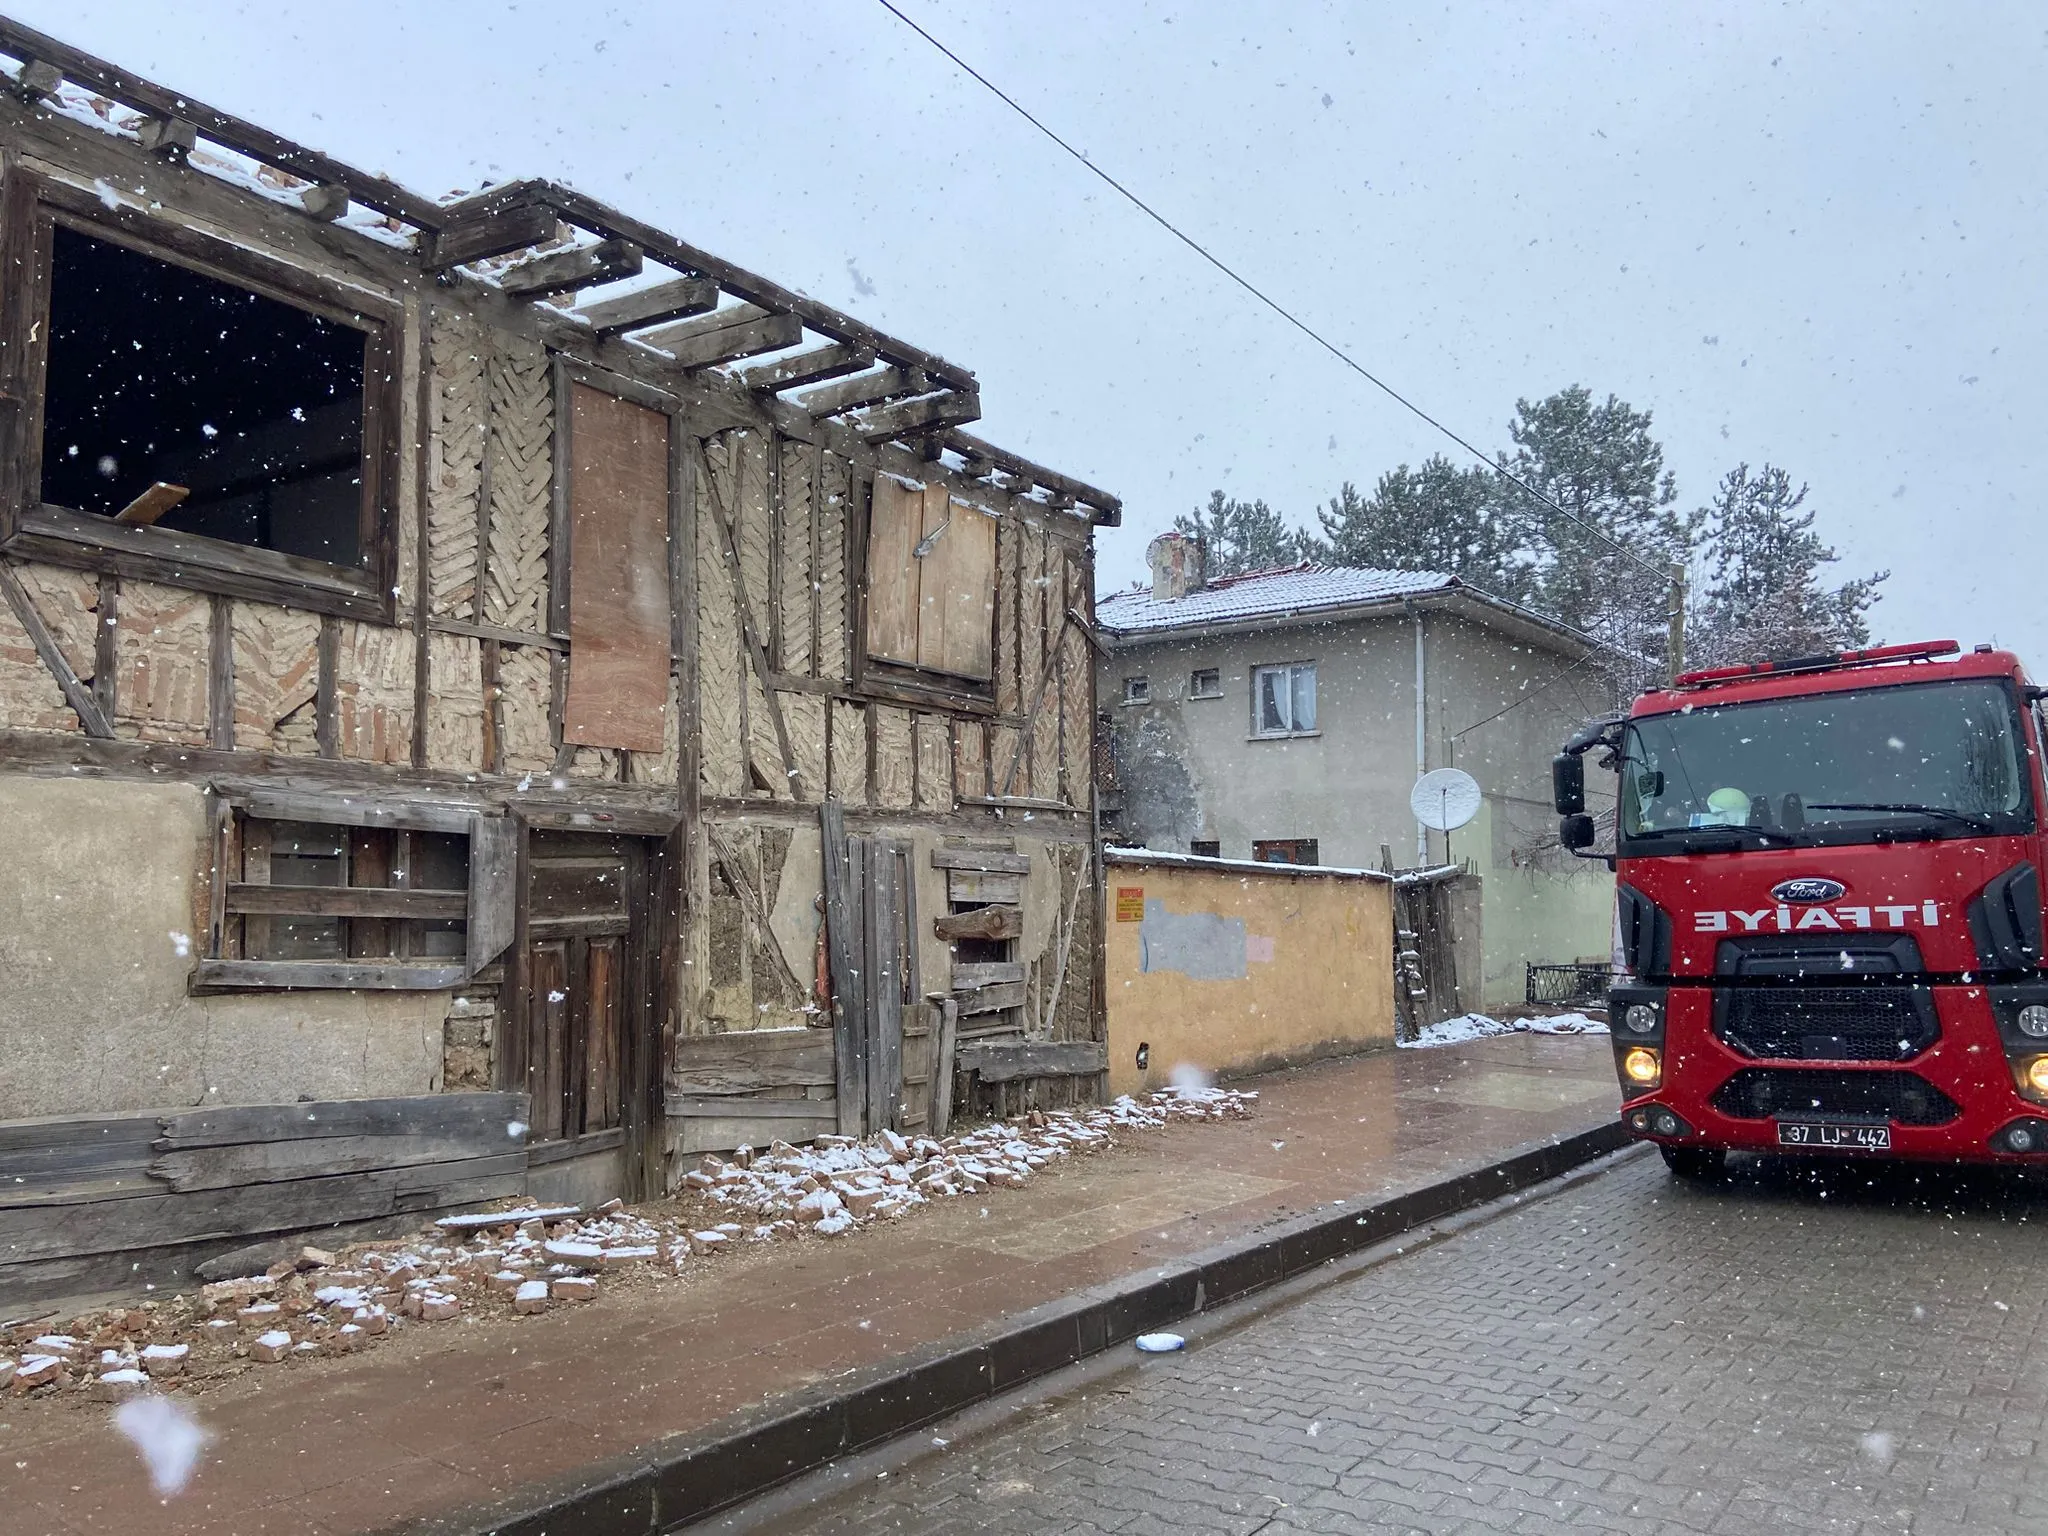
(1233, 970)
(100, 917)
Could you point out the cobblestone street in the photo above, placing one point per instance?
(1783, 1353)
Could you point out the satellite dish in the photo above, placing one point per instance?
(1444, 799)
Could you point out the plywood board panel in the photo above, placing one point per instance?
(455, 703)
(895, 776)
(722, 761)
(934, 763)
(895, 524)
(849, 748)
(525, 687)
(956, 588)
(835, 486)
(618, 556)
(277, 673)
(520, 451)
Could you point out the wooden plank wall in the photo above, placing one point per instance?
(86, 1203)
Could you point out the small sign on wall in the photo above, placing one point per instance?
(1130, 903)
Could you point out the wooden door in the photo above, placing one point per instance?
(584, 1014)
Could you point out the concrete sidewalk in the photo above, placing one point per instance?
(723, 1385)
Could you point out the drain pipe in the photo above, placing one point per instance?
(1421, 730)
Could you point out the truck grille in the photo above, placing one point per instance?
(1865, 1023)
(1759, 1093)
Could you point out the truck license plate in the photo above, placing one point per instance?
(1831, 1133)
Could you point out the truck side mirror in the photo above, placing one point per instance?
(1576, 831)
(1568, 783)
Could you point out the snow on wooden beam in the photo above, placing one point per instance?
(482, 227)
(835, 361)
(868, 389)
(222, 128)
(584, 267)
(1023, 475)
(676, 300)
(926, 414)
(749, 338)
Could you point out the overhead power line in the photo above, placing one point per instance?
(1271, 303)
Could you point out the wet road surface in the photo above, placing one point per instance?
(1790, 1351)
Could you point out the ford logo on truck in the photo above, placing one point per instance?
(1807, 890)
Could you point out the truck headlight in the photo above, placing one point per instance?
(1643, 1067)
(2037, 1074)
(1641, 1019)
(2033, 1021)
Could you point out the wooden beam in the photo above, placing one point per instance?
(674, 300)
(1028, 474)
(978, 1000)
(925, 414)
(76, 694)
(770, 334)
(983, 859)
(846, 951)
(994, 973)
(811, 367)
(585, 267)
(334, 901)
(220, 675)
(702, 325)
(145, 510)
(995, 922)
(588, 213)
(168, 138)
(867, 389)
(472, 234)
(367, 976)
(1002, 1063)
(223, 128)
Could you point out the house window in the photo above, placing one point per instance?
(1205, 683)
(194, 405)
(1284, 699)
(1210, 849)
(1285, 850)
(1137, 690)
(931, 582)
(316, 903)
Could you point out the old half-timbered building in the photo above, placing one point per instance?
(493, 700)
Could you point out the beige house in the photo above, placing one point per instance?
(493, 699)
(1286, 714)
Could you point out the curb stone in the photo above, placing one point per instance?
(671, 1482)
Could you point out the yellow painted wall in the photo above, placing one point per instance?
(1317, 980)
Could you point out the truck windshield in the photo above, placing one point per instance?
(1873, 764)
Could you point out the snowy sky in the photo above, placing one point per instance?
(1810, 234)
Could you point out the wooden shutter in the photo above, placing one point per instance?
(618, 573)
(895, 524)
(957, 589)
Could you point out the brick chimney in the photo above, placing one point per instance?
(1176, 560)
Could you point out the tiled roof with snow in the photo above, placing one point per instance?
(1282, 590)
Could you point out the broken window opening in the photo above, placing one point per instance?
(370, 893)
(162, 376)
(1206, 848)
(1285, 850)
(1137, 690)
(1205, 683)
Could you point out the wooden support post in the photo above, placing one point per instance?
(106, 648)
(326, 719)
(220, 678)
(940, 1116)
(845, 951)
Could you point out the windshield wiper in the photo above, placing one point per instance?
(1974, 822)
(1768, 834)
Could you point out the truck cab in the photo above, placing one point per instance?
(1828, 933)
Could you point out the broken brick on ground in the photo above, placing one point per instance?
(524, 1260)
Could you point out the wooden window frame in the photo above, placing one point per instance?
(1262, 846)
(31, 206)
(894, 682)
(1290, 668)
(487, 906)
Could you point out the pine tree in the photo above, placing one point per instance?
(1605, 559)
(1243, 536)
(1437, 518)
(1764, 598)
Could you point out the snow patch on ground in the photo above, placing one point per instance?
(1477, 1026)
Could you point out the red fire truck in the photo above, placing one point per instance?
(1828, 907)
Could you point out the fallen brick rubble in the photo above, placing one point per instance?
(524, 1260)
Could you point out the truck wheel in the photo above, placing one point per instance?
(1701, 1165)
